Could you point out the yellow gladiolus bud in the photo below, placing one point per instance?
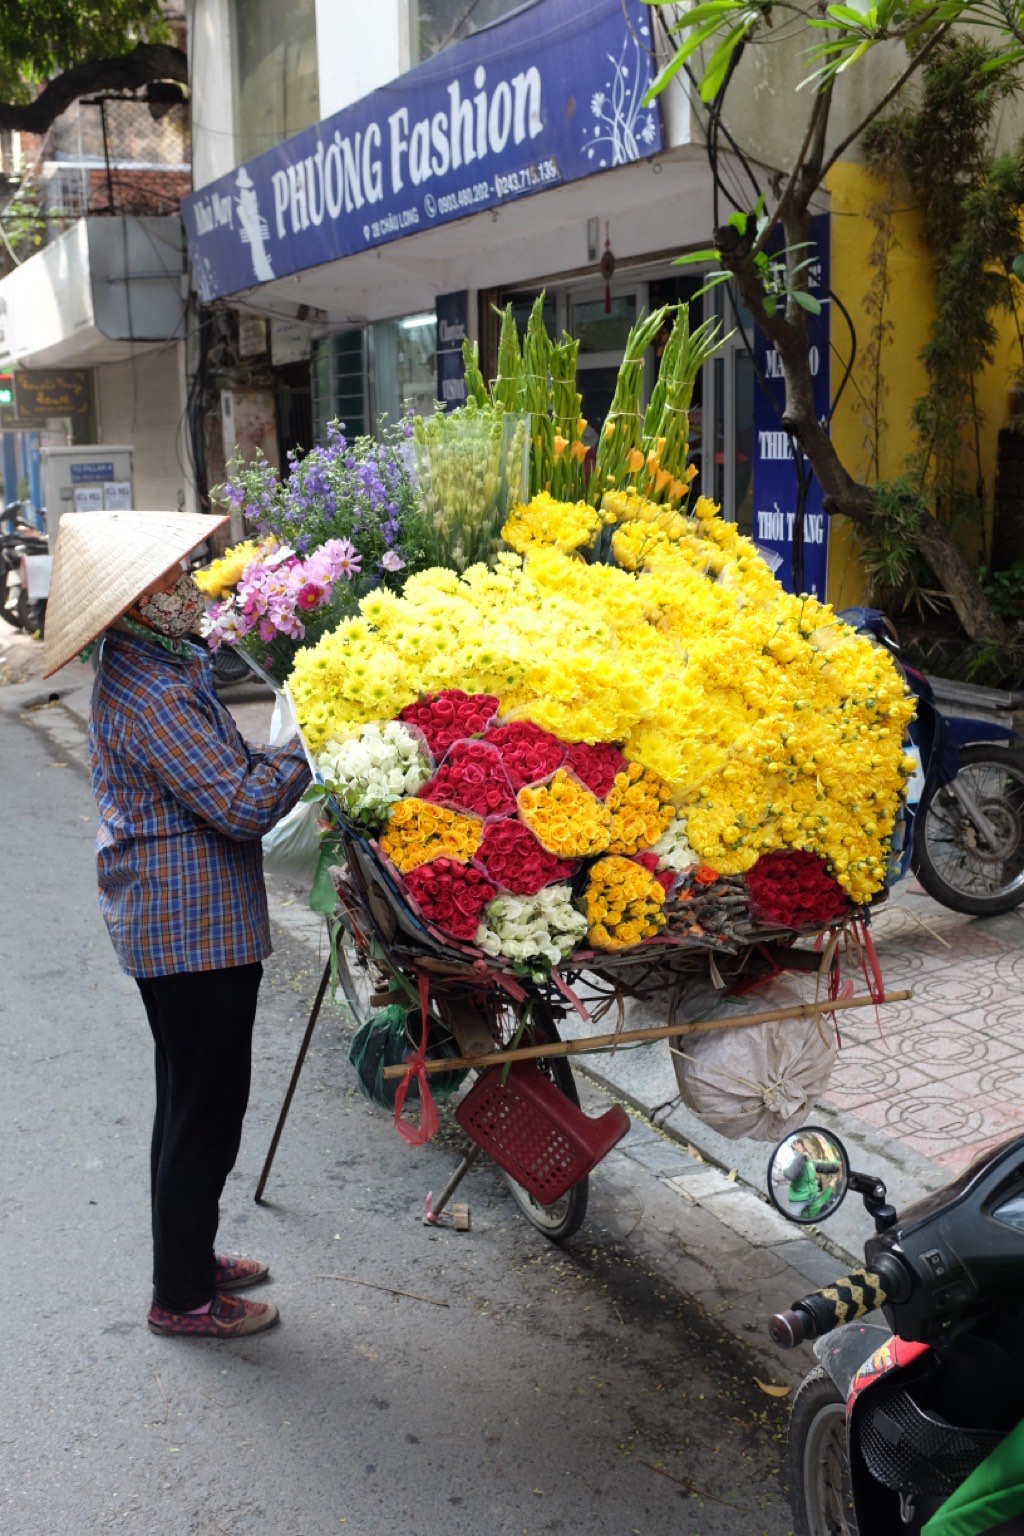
(634, 460)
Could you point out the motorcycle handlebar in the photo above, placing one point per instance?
(850, 1297)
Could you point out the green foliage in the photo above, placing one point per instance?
(1006, 591)
(24, 225)
(39, 38)
(716, 30)
(898, 576)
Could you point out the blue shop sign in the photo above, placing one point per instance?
(86, 474)
(551, 95)
(774, 472)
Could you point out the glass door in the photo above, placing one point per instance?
(602, 336)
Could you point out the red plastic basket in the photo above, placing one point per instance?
(534, 1132)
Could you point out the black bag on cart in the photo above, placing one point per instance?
(389, 1037)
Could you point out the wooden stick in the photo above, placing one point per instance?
(389, 1290)
(638, 1036)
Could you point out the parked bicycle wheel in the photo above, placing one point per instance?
(561, 1220)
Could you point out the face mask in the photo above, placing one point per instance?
(175, 613)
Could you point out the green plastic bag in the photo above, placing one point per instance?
(389, 1037)
(993, 1493)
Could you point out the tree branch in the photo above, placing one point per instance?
(126, 72)
(883, 102)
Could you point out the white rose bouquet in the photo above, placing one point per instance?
(673, 848)
(534, 932)
(370, 771)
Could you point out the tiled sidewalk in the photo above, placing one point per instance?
(944, 1072)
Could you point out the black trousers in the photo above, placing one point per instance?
(202, 1031)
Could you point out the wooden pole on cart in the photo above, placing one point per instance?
(643, 1036)
(303, 1048)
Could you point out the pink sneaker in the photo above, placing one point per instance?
(229, 1317)
(239, 1274)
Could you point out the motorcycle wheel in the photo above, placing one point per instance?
(948, 858)
(820, 1494)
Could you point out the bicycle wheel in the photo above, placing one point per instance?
(559, 1221)
(354, 973)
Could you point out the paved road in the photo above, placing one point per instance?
(603, 1389)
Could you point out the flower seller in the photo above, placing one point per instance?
(183, 804)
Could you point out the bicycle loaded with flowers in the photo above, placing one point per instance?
(606, 759)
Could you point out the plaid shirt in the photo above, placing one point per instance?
(183, 804)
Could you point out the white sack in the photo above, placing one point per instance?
(760, 1080)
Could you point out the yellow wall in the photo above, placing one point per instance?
(910, 308)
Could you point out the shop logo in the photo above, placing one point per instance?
(253, 228)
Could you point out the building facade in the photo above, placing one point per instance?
(370, 191)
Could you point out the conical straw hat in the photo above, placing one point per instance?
(103, 562)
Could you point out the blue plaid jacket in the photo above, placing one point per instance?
(183, 804)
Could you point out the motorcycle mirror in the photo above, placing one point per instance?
(808, 1175)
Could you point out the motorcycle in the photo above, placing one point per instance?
(24, 572)
(964, 833)
(916, 1428)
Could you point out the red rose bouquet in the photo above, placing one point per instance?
(596, 766)
(794, 889)
(528, 752)
(451, 895)
(450, 716)
(472, 778)
(514, 859)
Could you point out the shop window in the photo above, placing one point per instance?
(277, 90)
(339, 384)
(403, 365)
(731, 472)
(434, 24)
(603, 326)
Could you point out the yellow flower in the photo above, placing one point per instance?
(223, 575)
(769, 723)
(565, 818)
(622, 903)
(418, 831)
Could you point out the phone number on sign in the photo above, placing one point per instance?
(539, 175)
(465, 197)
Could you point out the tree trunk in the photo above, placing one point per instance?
(126, 72)
(845, 496)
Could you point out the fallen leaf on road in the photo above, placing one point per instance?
(771, 1389)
